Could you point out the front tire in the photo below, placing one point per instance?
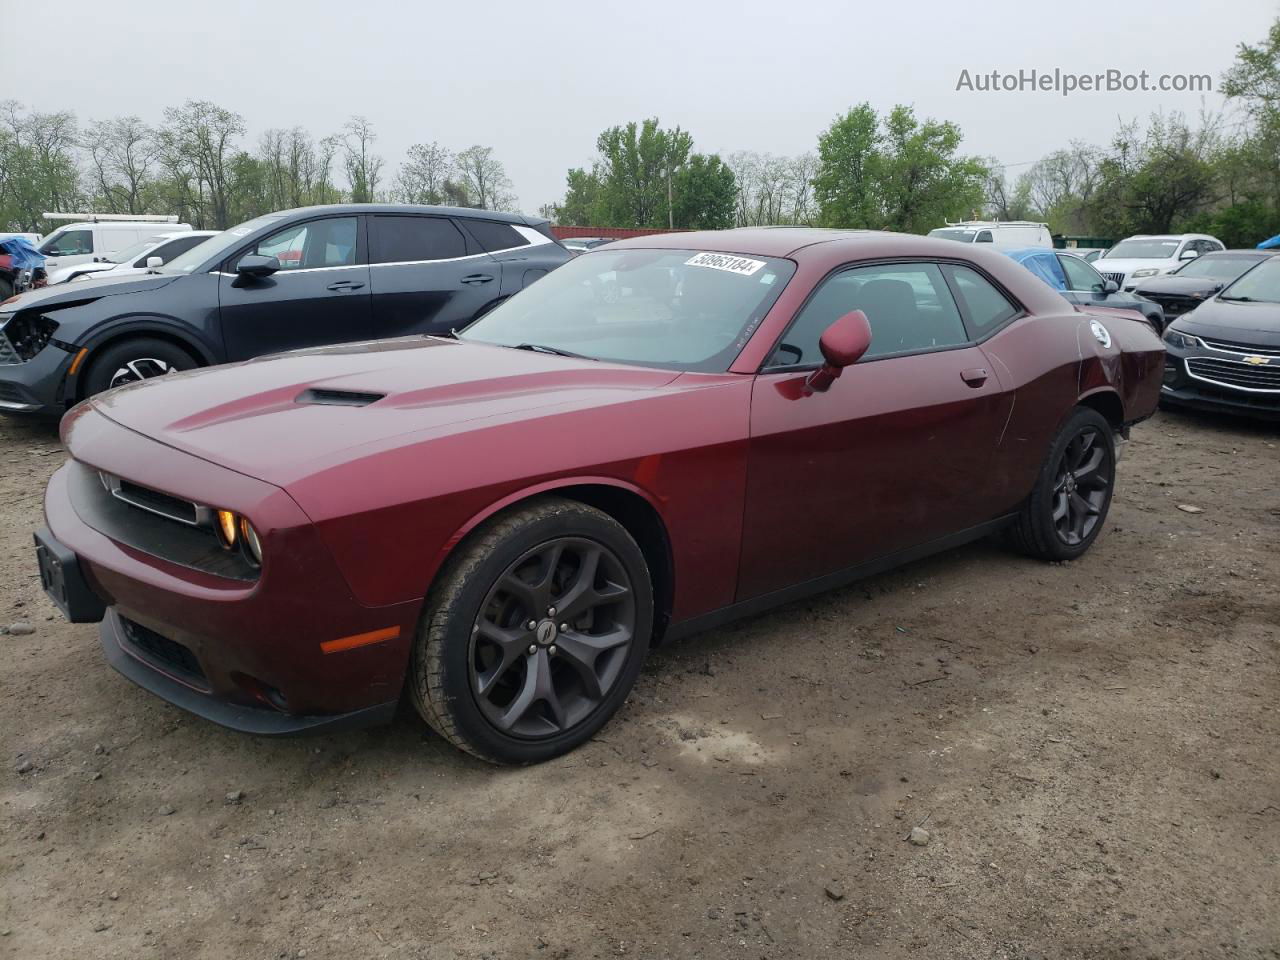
(1069, 504)
(137, 358)
(534, 633)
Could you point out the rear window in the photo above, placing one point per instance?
(494, 236)
(412, 239)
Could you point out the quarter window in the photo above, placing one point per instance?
(412, 239)
(908, 306)
(317, 243)
(986, 307)
(495, 236)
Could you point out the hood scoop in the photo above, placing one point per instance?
(338, 398)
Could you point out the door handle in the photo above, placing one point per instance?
(477, 278)
(345, 285)
(974, 376)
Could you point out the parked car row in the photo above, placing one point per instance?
(155, 251)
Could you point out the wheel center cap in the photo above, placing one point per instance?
(1071, 484)
(547, 632)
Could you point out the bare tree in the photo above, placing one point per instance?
(422, 175)
(123, 153)
(484, 179)
(197, 148)
(364, 167)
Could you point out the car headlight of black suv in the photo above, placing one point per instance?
(1182, 341)
(28, 333)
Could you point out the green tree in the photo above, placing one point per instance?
(921, 180)
(895, 173)
(845, 184)
(637, 168)
(422, 175)
(703, 194)
(582, 200)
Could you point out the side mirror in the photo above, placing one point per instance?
(842, 345)
(1188, 254)
(256, 266)
(154, 262)
(1110, 286)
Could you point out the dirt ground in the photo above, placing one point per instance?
(1092, 748)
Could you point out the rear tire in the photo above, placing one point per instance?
(1069, 503)
(534, 633)
(137, 358)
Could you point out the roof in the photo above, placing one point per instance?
(780, 241)
(468, 212)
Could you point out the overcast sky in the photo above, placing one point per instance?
(539, 81)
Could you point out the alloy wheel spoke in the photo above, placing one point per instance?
(1088, 469)
(1060, 508)
(537, 688)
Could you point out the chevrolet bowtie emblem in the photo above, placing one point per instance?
(1257, 360)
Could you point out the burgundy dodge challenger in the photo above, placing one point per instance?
(656, 437)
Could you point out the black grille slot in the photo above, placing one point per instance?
(162, 503)
(339, 398)
(161, 652)
(7, 353)
(1236, 374)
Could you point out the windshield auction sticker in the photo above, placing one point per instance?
(724, 261)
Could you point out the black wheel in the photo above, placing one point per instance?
(1066, 510)
(534, 633)
(138, 358)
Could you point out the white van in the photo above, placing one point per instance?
(1002, 234)
(82, 242)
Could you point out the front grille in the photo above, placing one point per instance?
(1173, 306)
(1234, 373)
(1243, 348)
(162, 503)
(163, 653)
(153, 501)
(1117, 277)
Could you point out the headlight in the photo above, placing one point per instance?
(29, 333)
(228, 529)
(236, 532)
(1144, 272)
(1181, 340)
(252, 545)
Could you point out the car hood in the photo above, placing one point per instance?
(91, 289)
(1128, 266)
(63, 274)
(1176, 286)
(283, 418)
(1252, 323)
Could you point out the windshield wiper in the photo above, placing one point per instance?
(543, 348)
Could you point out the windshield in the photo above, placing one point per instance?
(128, 253)
(217, 244)
(681, 309)
(964, 236)
(1217, 268)
(1145, 249)
(1261, 284)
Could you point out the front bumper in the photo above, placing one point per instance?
(36, 387)
(1181, 388)
(250, 655)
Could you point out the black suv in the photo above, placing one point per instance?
(299, 278)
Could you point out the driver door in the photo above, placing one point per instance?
(319, 295)
(898, 452)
